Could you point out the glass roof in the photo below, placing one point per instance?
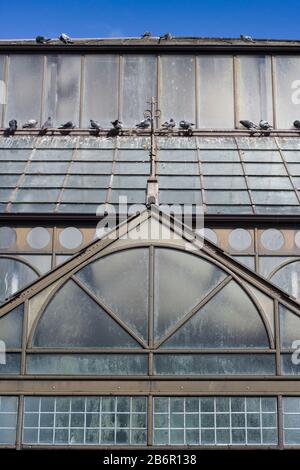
(77, 173)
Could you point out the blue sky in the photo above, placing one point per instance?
(117, 18)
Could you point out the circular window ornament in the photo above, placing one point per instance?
(8, 237)
(38, 238)
(209, 234)
(70, 238)
(272, 239)
(240, 239)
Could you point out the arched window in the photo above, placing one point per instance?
(16, 275)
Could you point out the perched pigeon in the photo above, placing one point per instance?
(167, 36)
(46, 125)
(30, 124)
(297, 124)
(12, 127)
(42, 40)
(246, 38)
(95, 125)
(144, 124)
(67, 125)
(248, 124)
(118, 125)
(65, 39)
(169, 125)
(264, 125)
(186, 125)
(146, 35)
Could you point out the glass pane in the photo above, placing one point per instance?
(291, 420)
(139, 85)
(101, 89)
(254, 88)
(11, 364)
(178, 88)
(15, 276)
(212, 364)
(8, 420)
(289, 365)
(269, 183)
(2, 87)
(11, 328)
(73, 319)
(289, 327)
(70, 238)
(240, 239)
(288, 279)
(24, 99)
(181, 281)
(224, 182)
(7, 237)
(62, 89)
(227, 197)
(287, 69)
(121, 282)
(211, 68)
(87, 364)
(229, 320)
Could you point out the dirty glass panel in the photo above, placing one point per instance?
(119, 181)
(42, 181)
(36, 195)
(84, 195)
(219, 155)
(139, 85)
(248, 261)
(90, 181)
(287, 70)
(182, 182)
(177, 98)
(224, 182)
(11, 328)
(91, 420)
(262, 169)
(24, 99)
(8, 181)
(229, 320)
(62, 89)
(222, 169)
(91, 168)
(254, 88)
(8, 237)
(15, 154)
(172, 142)
(187, 168)
(87, 364)
(100, 95)
(261, 155)
(41, 167)
(266, 183)
(128, 155)
(181, 281)
(291, 420)
(133, 196)
(290, 364)
(180, 197)
(227, 197)
(8, 422)
(120, 281)
(274, 197)
(16, 275)
(73, 319)
(178, 155)
(11, 365)
(214, 364)
(289, 327)
(138, 168)
(288, 279)
(210, 69)
(94, 155)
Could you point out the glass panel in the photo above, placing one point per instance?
(87, 364)
(261, 155)
(14, 154)
(121, 282)
(37, 195)
(94, 155)
(289, 365)
(214, 364)
(139, 85)
(269, 183)
(16, 275)
(248, 261)
(287, 69)
(180, 197)
(211, 68)
(274, 197)
(70, 238)
(178, 155)
(262, 169)
(24, 99)
(2, 87)
(229, 320)
(73, 319)
(91, 168)
(62, 89)
(254, 88)
(78, 181)
(11, 328)
(8, 237)
(38, 237)
(85, 420)
(215, 420)
(240, 239)
(11, 365)
(42, 181)
(289, 327)
(224, 182)
(177, 168)
(176, 182)
(178, 88)
(268, 263)
(222, 169)
(84, 195)
(291, 420)
(8, 420)
(288, 279)
(219, 155)
(101, 89)
(181, 281)
(227, 197)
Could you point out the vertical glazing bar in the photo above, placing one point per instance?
(277, 337)
(120, 86)
(150, 420)
(2, 117)
(197, 92)
(151, 297)
(111, 180)
(280, 422)
(273, 75)
(256, 265)
(202, 185)
(235, 93)
(81, 97)
(66, 177)
(20, 422)
(54, 242)
(24, 337)
(245, 176)
(287, 170)
(42, 114)
(158, 98)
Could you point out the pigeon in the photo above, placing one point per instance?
(30, 124)
(65, 39)
(46, 125)
(144, 124)
(146, 35)
(95, 125)
(169, 125)
(248, 124)
(118, 125)
(67, 125)
(167, 36)
(186, 125)
(246, 38)
(297, 124)
(264, 125)
(12, 127)
(42, 40)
